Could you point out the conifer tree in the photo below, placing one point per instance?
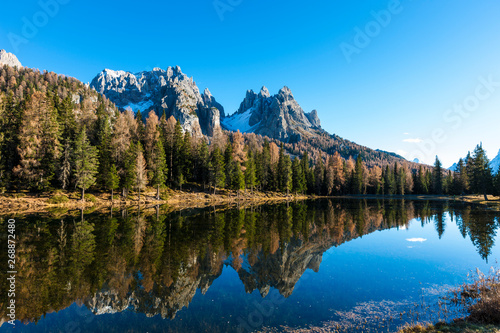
(358, 176)
(128, 173)
(287, 174)
(65, 170)
(38, 143)
(203, 169)
(298, 176)
(319, 174)
(112, 180)
(437, 177)
(217, 169)
(481, 178)
(461, 178)
(86, 163)
(141, 178)
(250, 177)
(158, 167)
(178, 154)
(338, 173)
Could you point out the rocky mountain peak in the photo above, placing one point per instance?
(264, 92)
(169, 91)
(279, 116)
(9, 59)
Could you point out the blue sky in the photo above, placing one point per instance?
(398, 91)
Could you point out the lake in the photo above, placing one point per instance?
(342, 264)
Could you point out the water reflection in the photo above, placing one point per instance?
(153, 262)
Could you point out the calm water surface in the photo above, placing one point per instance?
(347, 265)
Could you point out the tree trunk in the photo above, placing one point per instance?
(139, 189)
(485, 197)
(111, 195)
(83, 194)
(215, 187)
(158, 192)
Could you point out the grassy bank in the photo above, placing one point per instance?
(191, 196)
(481, 300)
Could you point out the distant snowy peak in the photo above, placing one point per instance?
(9, 59)
(495, 163)
(454, 167)
(169, 91)
(279, 116)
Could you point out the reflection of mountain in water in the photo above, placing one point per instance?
(154, 263)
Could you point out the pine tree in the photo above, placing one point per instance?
(287, 174)
(86, 163)
(112, 180)
(437, 177)
(187, 156)
(298, 176)
(203, 169)
(319, 174)
(128, 172)
(250, 177)
(461, 178)
(38, 143)
(217, 169)
(141, 178)
(338, 173)
(358, 176)
(496, 183)
(65, 170)
(481, 178)
(151, 136)
(178, 155)
(158, 167)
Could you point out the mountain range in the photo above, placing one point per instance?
(172, 92)
(278, 117)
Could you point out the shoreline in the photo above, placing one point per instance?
(21, 203)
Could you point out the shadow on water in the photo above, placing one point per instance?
(137, 269)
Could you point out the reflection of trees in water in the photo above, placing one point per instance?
(153, 262)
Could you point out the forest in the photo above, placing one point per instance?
(57, 134)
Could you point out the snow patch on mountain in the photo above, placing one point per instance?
(240, 121)
(142, 106)
(495, 163)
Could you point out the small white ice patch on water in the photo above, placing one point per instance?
(416, 240)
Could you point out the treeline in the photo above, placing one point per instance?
(56, 133)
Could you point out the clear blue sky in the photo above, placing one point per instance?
(399, 87)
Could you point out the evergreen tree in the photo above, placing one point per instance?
(65, 170)
(461, 178)
(250, 178)
(298, 176)
(481, 178)
(287, 174)
(158, 167)
(497, 182)
(358, 176)
(141, 178)
(128, 172)
(112, 180)
(86, 163)
(217, 169)
(203, 169)
(178, 155)
(38, 143)
(437, 177)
